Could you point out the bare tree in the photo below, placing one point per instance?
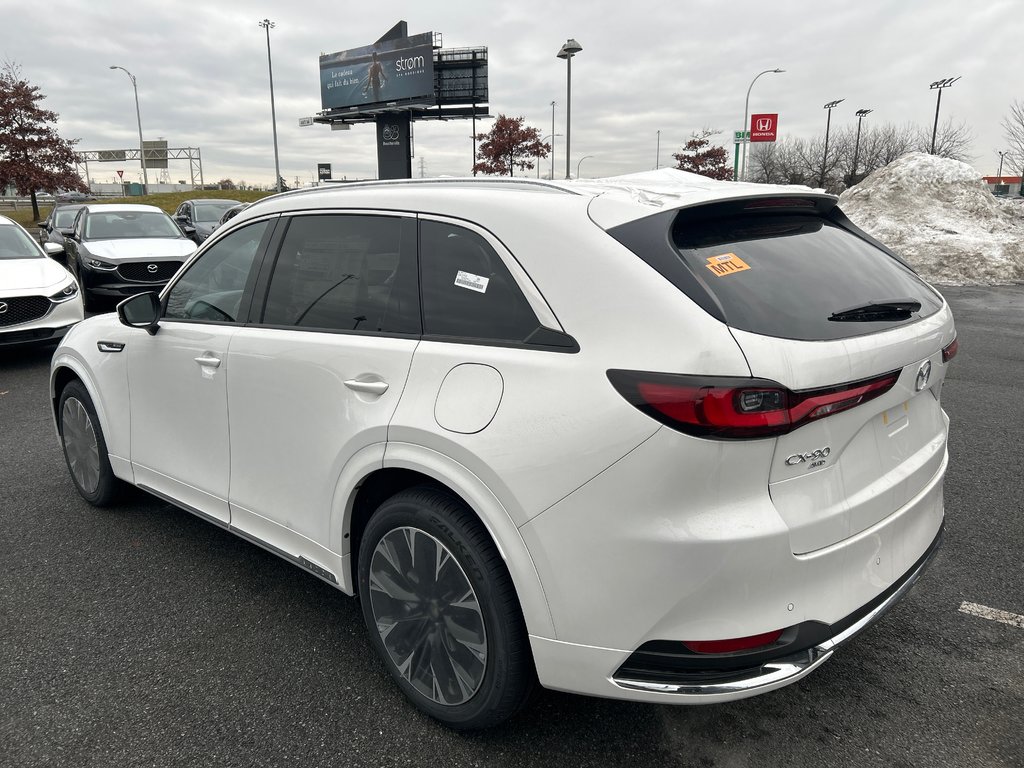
(1013, 124)
(951, 140)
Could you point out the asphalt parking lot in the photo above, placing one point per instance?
(141, 635)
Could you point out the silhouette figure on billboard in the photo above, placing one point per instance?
(375, 78)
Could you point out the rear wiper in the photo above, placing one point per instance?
(890, 309)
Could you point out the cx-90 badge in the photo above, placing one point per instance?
(817, 458)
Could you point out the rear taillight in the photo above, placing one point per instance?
(732, 645)
(735, 408)
(949, 351)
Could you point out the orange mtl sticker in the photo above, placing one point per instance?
(726, 264)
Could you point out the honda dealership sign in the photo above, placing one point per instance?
(764, 127)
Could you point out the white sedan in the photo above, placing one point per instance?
(39, 299)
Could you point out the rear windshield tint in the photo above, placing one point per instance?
(785, 275)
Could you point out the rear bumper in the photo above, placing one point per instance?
(776, 672)
(646, 556)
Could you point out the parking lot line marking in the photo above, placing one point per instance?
(992, 614)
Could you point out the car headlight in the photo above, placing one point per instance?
(97, 264)
(67, 293)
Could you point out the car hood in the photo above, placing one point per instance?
(147, 248)
(21, 276)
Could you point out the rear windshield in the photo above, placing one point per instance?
(787, 275)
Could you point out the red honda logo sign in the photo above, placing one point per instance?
(764, 127)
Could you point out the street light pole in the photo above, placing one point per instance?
(938, 85)
(552, 141)
(828, 124)
(267, 24)
(657, 156)
(861, 114)
(581, 163)
(746, 110)
(138, 116)
(568, 50)
(1000, 174)
(552, 137)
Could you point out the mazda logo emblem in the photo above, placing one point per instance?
(3, 307)
(923, 374)
(151, 269)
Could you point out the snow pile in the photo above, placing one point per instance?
(939, 215)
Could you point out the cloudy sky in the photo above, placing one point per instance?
(646, 66)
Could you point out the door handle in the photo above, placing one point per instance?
(373, 387)
(209, 360)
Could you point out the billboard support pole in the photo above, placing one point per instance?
(736, 163)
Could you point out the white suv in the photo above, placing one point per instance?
(671, 445)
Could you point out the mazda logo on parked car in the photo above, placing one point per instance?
(3, 307)
(923, 374)
(151, 269)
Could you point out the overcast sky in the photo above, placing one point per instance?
(645, 66)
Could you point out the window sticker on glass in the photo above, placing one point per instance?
(726, 264)
(473, 282)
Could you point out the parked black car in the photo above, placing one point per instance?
(198, 218)
(58, 224)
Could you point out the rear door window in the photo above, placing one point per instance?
(786, 275)
(468, 292)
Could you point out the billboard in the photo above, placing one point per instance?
(764, 127)
(400, 70)
(323, 171)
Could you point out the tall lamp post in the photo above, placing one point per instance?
(746, 110)
(552, 142)
(828, 124)
(657, 154)
(138, 116)
(861, 114)
(552, 137)
(938, 85)
(267, 24)
(567, 51)
(1000, 174)
(581, 163)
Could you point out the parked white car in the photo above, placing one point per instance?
(39, 299)
(670, 442)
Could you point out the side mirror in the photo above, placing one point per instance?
(53, 249)
(140, 311)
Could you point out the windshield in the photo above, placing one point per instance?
(119, 225)
(212, 211)
(15, 244)
(65, 217)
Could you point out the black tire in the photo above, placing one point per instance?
(438, 631)
(85, 449)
